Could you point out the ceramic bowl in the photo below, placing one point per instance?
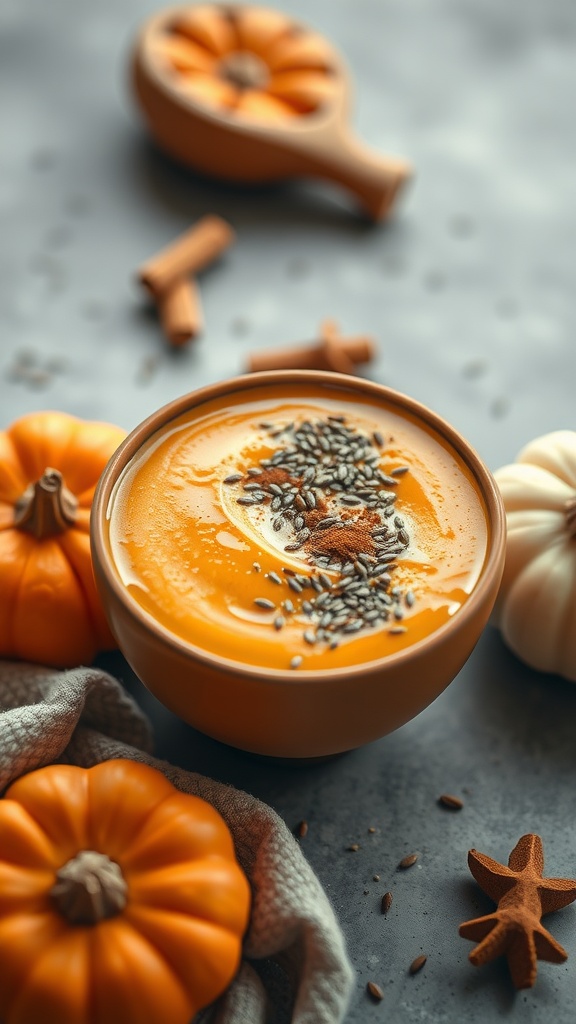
(282, 713)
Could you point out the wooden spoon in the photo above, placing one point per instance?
(236, 145)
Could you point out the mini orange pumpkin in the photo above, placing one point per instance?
(248, 61)
(50, 612)
(120, 898)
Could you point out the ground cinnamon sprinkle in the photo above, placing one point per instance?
(273, 476)
(342, 541)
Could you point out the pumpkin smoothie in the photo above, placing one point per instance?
(292, 527)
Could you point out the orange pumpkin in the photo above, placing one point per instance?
(120, 898)
(249, 61)
(50, 612)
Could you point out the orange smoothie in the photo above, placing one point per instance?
(297, 527)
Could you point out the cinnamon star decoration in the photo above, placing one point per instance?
(522, 896)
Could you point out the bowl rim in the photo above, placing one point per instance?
(487, 488)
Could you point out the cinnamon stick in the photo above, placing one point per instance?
(180, 311)
(331, 352)
(186, 255)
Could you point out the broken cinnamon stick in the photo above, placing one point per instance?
(187, 255)
(180, 311)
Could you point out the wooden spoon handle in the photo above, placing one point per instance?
(375, 179)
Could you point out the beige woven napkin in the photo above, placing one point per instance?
(295, 968)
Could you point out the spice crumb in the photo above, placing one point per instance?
(353, 847)
(371, 829)
(376, 878)
(374, 990)
(417, 964)
(302, 828)
(408, 861)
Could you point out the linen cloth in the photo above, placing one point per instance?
(295, 968)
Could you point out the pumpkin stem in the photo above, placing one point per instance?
(570, 513)
(47, 507)
(244, 70)
(89, 888)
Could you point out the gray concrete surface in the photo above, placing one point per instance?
(470, 294)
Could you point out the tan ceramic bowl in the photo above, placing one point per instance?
(288, 714)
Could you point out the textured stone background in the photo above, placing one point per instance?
(470, 294)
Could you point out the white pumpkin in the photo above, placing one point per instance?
(536, 606)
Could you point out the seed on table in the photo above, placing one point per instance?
(233, 478)
(396, 630)
(408, 861)
(309, 637)
(399, 471)
(452, 803)
(409, 598)
(374, 990)
(294, 585)
(296, 661)
(263, 602)
(417, 964)
(279, 622)
(288, 606)
(276, 504)
(386, 902)
(275, 577)
(378, 439)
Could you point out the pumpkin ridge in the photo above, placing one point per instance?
(24, 445)
(122, 928)
(146, 930)
(88, 603)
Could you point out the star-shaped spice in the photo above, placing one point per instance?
(523, 896)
